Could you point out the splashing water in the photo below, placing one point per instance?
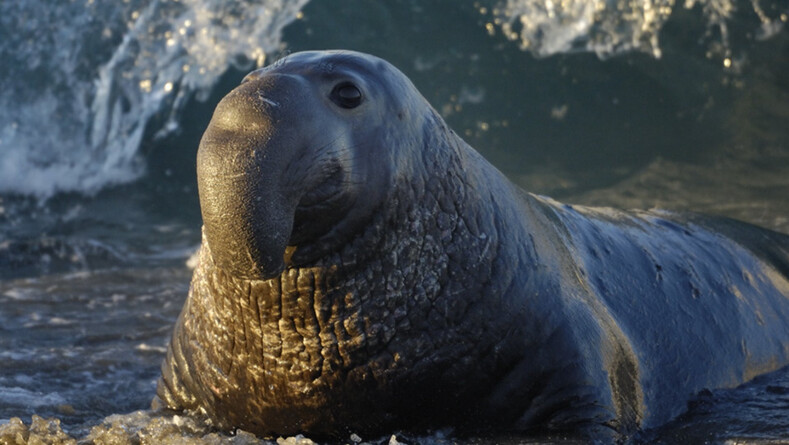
(87, 78)
(611, 27)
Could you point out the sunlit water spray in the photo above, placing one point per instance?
(85, 79)
(611, 27)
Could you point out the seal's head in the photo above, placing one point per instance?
(298, 156)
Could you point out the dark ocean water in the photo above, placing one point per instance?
(646, 104)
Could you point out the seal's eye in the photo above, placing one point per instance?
(346, 95)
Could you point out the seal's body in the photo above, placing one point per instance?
(364, 270)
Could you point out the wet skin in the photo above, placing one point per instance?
(364, 270)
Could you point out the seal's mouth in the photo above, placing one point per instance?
(316, 204)
(320, 209)
(327, 193)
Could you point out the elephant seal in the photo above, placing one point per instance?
(364, 270)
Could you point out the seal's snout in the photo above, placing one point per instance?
(247, 217)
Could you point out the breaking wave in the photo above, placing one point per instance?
(611, 27)
(84, 79)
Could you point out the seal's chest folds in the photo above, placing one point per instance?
(363, 269)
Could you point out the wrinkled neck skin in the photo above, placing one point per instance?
(428, 316)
